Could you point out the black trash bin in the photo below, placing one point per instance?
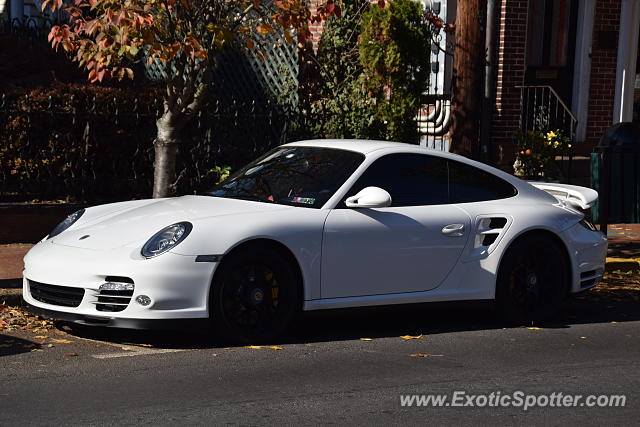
(615, 174)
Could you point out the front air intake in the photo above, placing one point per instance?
(115, 294)
(65, 296)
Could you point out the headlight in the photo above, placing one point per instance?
(588, 224)
(166, 239)
(68, 222)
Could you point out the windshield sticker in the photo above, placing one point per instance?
(304, 200)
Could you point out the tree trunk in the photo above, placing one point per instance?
(166, 149)
(468, 67)
(184, 100)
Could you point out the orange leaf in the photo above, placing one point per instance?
(264, 29)
(411, 337)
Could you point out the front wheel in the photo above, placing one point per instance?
(533, 280)
(255, 295)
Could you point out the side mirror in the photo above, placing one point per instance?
(370, 197)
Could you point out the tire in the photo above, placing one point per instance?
(254, 297)
(533, 280)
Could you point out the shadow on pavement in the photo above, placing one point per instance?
(10, 345)
(389, 321)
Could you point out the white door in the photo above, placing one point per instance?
(390, 250)
(410, 246)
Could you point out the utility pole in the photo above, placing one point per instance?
(468, 77)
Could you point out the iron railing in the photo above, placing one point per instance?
(34, 29)
(434, 120)
(544, 110)
(102, 149)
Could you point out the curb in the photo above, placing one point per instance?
(623, 264)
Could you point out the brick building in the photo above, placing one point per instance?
(574, 60)
(585, 50)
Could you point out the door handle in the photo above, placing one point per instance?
(453, 230)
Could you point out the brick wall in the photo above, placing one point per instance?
(603, 70)
(511, 41)
(317, 27)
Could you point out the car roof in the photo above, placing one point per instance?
(368, 146)
(358, 145)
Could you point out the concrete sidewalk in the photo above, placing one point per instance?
(624, 254)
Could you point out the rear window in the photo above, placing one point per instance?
(470, 184)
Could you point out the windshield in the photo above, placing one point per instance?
(298, 176)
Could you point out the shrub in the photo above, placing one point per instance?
(370, 71)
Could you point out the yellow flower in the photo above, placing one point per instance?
(551, 135)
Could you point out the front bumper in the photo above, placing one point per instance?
(116, 322)
(177, 286)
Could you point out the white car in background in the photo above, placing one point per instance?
(317, 225)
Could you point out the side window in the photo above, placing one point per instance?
(411, 179)
(470, 184)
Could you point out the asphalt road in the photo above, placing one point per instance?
(326, 374)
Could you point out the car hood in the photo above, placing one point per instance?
(133, 223)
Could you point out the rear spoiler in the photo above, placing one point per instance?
(576, 196)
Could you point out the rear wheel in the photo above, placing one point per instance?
(533, 280)
(254, 296)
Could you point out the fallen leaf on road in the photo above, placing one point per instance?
(41, 336)
(534, 328)
(366, 339)
(36, 349)
(61, 341)
(70, 354)
(411, 337)
(253, 347)
(425, 355)
(583, 338)
(49, 345)
(276, 347)
(142, 345)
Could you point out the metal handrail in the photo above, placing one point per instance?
(566, 109)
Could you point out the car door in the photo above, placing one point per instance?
(410, 246)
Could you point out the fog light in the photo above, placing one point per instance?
(116, 286)
(143, 300)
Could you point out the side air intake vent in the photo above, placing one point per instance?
(488, 231)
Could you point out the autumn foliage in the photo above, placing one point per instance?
(106, 36)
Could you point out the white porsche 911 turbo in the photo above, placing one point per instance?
(316, 225)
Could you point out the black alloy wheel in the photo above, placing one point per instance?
(255, 295)
(533, 280)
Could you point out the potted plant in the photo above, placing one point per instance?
(537, 152)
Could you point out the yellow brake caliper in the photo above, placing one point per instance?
(274, 287)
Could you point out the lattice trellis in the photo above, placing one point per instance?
(242, 76)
